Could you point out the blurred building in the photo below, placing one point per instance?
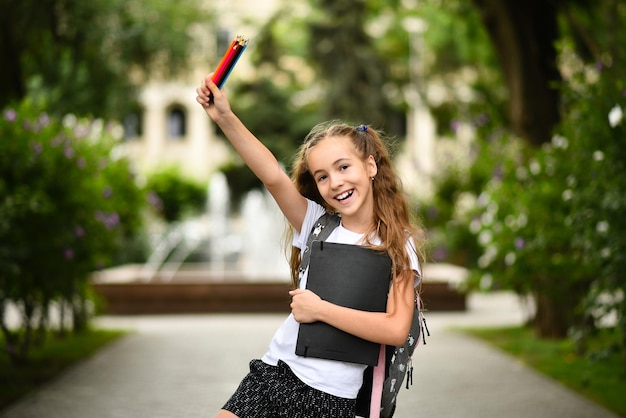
(169, 128)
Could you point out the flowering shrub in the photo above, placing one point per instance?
(596, 131)
(522, 226)
(66, 203)
(447, 215)
(552, 224)
(172, 196)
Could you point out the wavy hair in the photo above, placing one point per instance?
(393, 222)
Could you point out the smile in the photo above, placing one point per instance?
(344, 195)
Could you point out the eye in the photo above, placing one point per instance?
(344, 167)
(321, 177)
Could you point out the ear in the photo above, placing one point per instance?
(371, 166)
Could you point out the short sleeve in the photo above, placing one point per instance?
(313, 213)
(415, 264)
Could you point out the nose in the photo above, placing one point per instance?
(335, 181)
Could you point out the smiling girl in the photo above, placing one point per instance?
(340, 169)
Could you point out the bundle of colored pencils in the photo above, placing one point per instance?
(234, 51)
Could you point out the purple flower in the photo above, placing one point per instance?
(432, 212)
(107, 192)
(440, 253)
(481, 120)
(69, 254)
(79, 231)
(519, 243)
(57, 140)
(10, 115)
(114, 219)
(81, 131)
(68, 152)
(80, 162)
(498, 172)
(454, 126)
(154, 200)
(43, 121)
(37, 147)
(109, 220)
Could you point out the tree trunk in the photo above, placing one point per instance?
(523, 34)
(551, 319)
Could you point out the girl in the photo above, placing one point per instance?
(342, 169)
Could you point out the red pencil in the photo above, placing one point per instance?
(230, 58)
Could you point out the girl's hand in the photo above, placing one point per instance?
(212, 99)
(305, 305)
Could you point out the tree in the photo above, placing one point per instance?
(345, 56)
(524, 34)
(67, 202)
(89, 57)
(562, 65)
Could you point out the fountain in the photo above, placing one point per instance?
(246, 269)
(263, 231)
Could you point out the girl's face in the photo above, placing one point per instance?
(344, 180)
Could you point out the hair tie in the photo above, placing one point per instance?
(361, 128)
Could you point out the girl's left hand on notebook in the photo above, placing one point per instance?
(305, 305)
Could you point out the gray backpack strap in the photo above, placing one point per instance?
(320, 232)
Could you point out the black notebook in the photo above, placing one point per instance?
(351, 276)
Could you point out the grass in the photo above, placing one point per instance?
(599, 376)
(48, 361)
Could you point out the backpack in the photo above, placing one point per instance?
(381, 383)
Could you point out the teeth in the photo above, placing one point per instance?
(344, 195)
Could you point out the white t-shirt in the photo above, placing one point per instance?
(338, 378)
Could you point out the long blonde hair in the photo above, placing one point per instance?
(392, 223)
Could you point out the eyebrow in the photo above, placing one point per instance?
(337, 162)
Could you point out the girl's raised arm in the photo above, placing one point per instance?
(256, 155)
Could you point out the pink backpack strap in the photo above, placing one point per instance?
(377, 384)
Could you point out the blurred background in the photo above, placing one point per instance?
(506, 120)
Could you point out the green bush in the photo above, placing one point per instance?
(67, 203)
(594, 132)
(527, 245)
(173, 196)
(551, 224)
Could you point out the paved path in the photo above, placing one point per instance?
(187, 366)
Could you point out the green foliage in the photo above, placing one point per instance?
(521, 223)
(463, 65)
(457, 185)
(446, 219)
(47, 362)
(173, 196)
(548, 220)
(67, 203)
(280, 125)
(551, 224)
(467, 43)
(90, 57)
(345, 57)
(594, 132)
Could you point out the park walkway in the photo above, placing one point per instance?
(185, 366)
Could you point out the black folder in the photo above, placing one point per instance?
(347, 275)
